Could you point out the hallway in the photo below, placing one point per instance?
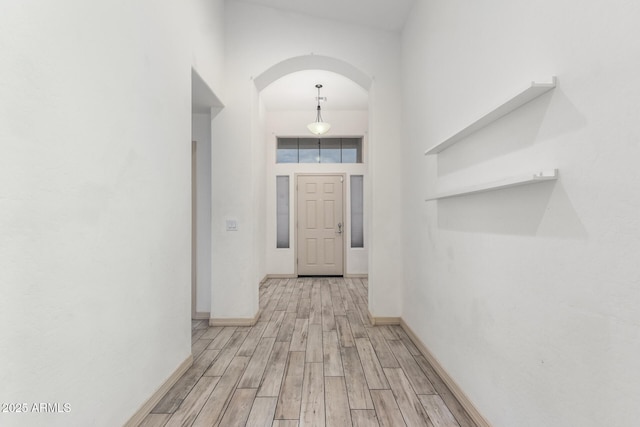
(312, 359)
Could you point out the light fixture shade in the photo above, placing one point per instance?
(318, 128)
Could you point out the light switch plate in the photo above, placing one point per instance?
(232, 225)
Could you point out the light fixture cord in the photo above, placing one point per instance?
(319, 114)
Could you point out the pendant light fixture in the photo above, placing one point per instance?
(318, 127)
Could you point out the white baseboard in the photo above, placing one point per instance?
(137, 418)
(281, 276)
(466, 403)
(199, 315)
(237, 321)
(295, 276)
(382, 321)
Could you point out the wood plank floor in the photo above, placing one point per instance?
(311, 360)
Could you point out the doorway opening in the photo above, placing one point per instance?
(205, 105)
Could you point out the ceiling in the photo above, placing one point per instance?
(297, 91)
(382, 14)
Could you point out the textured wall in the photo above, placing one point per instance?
(95, 131)
(528, 296)
(258, 38)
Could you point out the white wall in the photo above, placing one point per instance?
(259, 166)
(201, 133)
(258, 38)
(528, 297)
(206, 24)
(94, 205)
(293, 123)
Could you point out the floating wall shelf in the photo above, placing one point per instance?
(529, 94)
(542, 176)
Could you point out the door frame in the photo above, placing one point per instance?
(342, 175)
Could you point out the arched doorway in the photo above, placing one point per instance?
(287, 96)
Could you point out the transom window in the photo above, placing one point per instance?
(319, 150)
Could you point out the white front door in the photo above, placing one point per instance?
(320, 221)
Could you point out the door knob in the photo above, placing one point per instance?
(339, 228)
